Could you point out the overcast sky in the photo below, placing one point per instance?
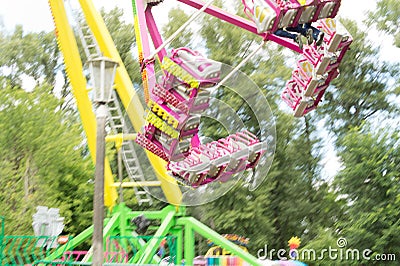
(35, 14)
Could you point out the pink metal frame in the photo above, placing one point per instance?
(168, 133)
(148, 23)
(328, 7)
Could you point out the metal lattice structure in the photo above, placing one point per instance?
(176, 232)
(130, 159)
(119, 250)
(116, 119)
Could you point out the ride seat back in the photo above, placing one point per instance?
(305, 69)
(263, 13)
(308, 14)
(327, 10)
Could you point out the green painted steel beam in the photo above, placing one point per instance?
(1, 239)
(71, 244)
(56, 263)
(154, 242)
(219, 240)
(139, 245)
(150, 215)
(123, 224)
(178, 233)
(189, 244)
(110, 225)
(142, 245)
(123, 211)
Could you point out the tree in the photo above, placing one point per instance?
(179, 17)
(36, 173)
(33, 55)
(363, 88)
(387, 18)
(123, 36)
(369, 182)
(41, 161)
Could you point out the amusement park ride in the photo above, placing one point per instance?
(175, 98)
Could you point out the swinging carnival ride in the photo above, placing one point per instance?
(179, 163)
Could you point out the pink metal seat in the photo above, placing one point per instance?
(149, 145)
(254, 145)
(176, 103)
(291, 12)
(270, 15)
(193, 169)
(205, 70)
(337, 38)
(307, 80)
(218, 160)
(265, 16)
(239, 153)
(329, 8)
(293, 96)
(322, 60)
(310, 11)
(171, 149)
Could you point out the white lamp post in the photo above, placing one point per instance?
(102, 70)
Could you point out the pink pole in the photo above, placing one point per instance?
(242, 23)
(154, 33)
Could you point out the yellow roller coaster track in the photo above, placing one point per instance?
(123, 85)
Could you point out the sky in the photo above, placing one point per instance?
(35, 16)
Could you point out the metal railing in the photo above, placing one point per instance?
(26, 250)
(129, 249)
(119, 250)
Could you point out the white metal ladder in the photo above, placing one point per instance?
(115, 115)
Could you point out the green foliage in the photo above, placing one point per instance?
(386, 17)
(41, 162)
(226, 43)
(312, 252)
(123, 36)
(179, 17)
(364, 193)
(370, 184)
(293, 199)
(33, 55)
(363, 87)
